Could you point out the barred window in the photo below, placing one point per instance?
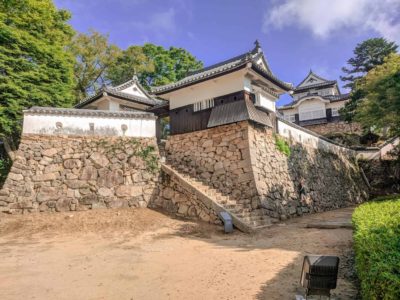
(204, 104)
(290, 118)
(335, 112)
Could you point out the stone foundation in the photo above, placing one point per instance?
(335, 127)
(62, 173)
(181, 199)
(220, 157)
(306, 181)
(243, 162)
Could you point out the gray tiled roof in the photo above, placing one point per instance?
(331, 98)
(325, 82)
(89, 112)
(224, 67)
(317, 85)
(115, 92)
(235, 112)
(150, 100)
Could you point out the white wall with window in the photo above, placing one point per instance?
(290, 117)
(335, 112)
(312, 109)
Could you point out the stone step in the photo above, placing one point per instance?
(246, 217)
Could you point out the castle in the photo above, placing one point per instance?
(229, 150)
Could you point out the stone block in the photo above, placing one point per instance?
(50, 152)
(63, 204)
(46, 177)
(72, 163)
(76, 184)
(52, 168)
(99, 160)
(110, 178)
(128, 191)
(14, 176)
(88, 173)
(105, 192)
(168, 193)
(47, 194)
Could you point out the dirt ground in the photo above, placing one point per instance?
(144, 254)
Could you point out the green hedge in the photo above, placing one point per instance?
(377, 249)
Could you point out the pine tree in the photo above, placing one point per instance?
(367, 55)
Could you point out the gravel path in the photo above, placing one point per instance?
(143, 254)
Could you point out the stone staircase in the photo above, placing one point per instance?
(244, 217)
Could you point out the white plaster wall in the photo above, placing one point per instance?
(265, 101)
(311, 105)
(134, 90)
(308, 139)
(212, 88)
(79, 125)
(339, 104)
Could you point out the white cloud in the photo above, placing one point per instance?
(158, 22)
(325, 17)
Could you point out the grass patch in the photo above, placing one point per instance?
(377, 248)
(282, 145)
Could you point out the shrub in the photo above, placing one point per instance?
(377, 249)
(5, 165)
(282, 145)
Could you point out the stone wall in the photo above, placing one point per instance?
(335, 127)
(243, 162)
(383, 176)
(61, 173)
(219, 156)
(306, 181)
(183, 200)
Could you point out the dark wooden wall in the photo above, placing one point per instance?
(184, 119)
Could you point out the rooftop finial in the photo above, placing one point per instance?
(134, 77)
(258, 46)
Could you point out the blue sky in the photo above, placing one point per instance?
(296, 35)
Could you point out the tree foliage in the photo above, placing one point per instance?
(158, 66)
(367, 55)
(93, 55)
(380, 92)
(131, 61)
(35, 69)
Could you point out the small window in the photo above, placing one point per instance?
(202, 105)
(290, 118)
(335, 112)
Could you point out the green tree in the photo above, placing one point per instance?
(93, 55)
(158, 66)
(35, 69)
(132, 61)
(367, 55)
(380, 105)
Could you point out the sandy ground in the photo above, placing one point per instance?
(143, 254)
